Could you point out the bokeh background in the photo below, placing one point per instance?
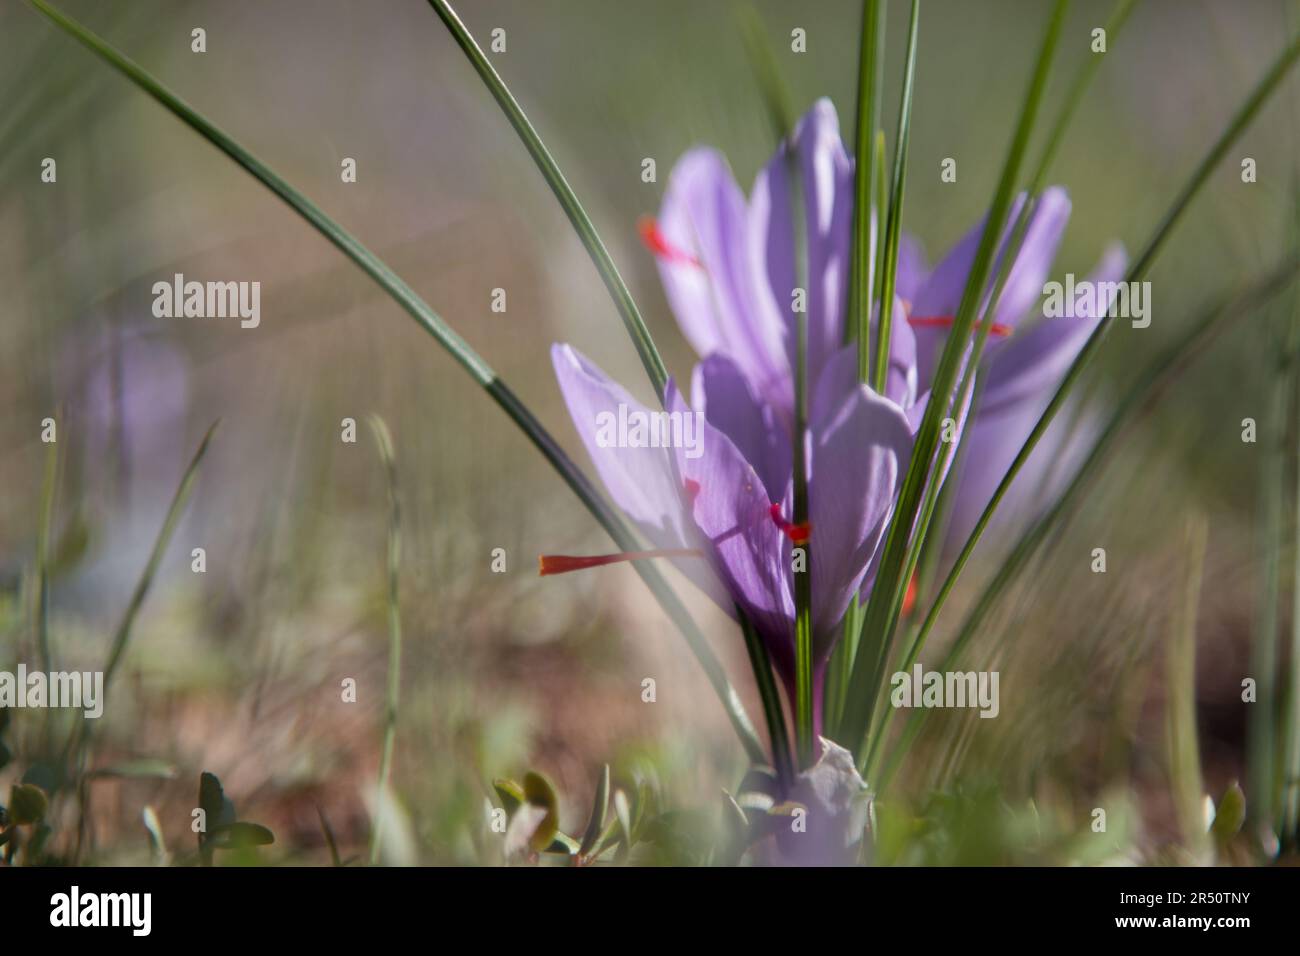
(238, 670)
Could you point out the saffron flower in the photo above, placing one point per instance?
(723, 513)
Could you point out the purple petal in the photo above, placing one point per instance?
(860, 451)
(1021, 382)
(704, 215)
(731, 510)
(913, 268)
(828, 208)
(941, 294)
(995, 440)
(724, 396)
(840, 374)
(1034, 361)
(640, 480)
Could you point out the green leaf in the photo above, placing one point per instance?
(238, 835)
(510, 794)
(1231, 814)
(563, 844)
(894, 229)
(27, 804)
(218, 810)
(871, 64)
(539, 793)
(596, 822)
(761, 664)
(775, 92)
(624, 816)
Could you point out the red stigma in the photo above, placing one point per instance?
(692, 488)
(564, 563)
(946, 321)
(909, 598)
(798, 533)
(657, 243)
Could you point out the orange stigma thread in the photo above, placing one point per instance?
(658, 243)
(564, 563)
(946, 321)
(909, 598)
(798, 533)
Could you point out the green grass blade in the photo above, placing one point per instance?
(1265, 717)
(1261, 757)
(881, 188)
(123, 634)
(1183, 752)
(895, 227)
(1290, 797)
(775, 93)
(871, 66)
(761, 664)
(384, 441)
(886, 599)
(582, 224)
(467, 358)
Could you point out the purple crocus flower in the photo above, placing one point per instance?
(720, 507)
(728, 267)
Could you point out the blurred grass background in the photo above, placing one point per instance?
(238, 670)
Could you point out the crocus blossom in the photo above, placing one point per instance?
(727, 262)
(724, 517)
